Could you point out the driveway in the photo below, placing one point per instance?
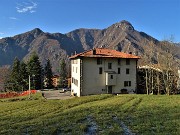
(56, 94)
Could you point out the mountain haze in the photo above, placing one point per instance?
(54, 46)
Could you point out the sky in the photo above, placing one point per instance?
(158, 18)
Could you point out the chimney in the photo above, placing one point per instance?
(94, 51)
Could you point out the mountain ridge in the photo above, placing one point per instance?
(56, 46)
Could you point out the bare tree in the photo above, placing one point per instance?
(4, 73)
(169, 66)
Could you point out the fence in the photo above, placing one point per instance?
(15, 94)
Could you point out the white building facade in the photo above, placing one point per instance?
(178, 82)
(101, 71)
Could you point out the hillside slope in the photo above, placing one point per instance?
(98, 114)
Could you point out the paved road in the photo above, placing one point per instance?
(56, 94)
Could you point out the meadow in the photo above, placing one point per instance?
(96, 114)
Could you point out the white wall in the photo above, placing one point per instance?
(126, 77)
(178, 82)
(109, 80)
(75, 75)
(95, 83)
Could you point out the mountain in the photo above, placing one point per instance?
(53, 46)
(120, 36)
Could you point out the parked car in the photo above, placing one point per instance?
(65, 90)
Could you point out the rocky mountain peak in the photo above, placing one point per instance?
(124, 25)
(36, 32)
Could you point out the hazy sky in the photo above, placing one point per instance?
(158, 18)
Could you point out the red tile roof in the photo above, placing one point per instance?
(102, 52)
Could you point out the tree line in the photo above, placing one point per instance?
(21, 73)
(159, 74)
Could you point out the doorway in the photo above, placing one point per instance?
(109, 89)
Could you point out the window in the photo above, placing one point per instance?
(73, 69)
(127, 70)
(103, 89)
(127, 83)
(76, 82)
(127, 61)
(109, 65)
(74, 61)
(119, 61)
(100, 70)
(72, 80)
(111, 76)
(99, 61)
(76, 69)
(119, 70)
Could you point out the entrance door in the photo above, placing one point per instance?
(109, 89)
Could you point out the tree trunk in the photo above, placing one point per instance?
(147, 90)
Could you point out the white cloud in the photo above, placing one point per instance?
(32, 11)
(26, 7)
(13, 18)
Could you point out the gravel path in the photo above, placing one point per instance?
(56, 94)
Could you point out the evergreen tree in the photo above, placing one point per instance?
(15, 78)
(63, 73)
(48, 75)
(24, 76)
(35, 71)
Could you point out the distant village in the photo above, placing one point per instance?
(96, 71)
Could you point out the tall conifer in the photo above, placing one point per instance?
(15, 78)
(35, 71)
(24, 76)
(48, 75)
(63, 73)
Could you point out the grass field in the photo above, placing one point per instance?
(100, 114)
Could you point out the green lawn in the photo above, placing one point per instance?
(142, 114)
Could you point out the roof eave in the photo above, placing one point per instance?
(92, 56)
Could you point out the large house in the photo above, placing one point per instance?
(99, 71)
